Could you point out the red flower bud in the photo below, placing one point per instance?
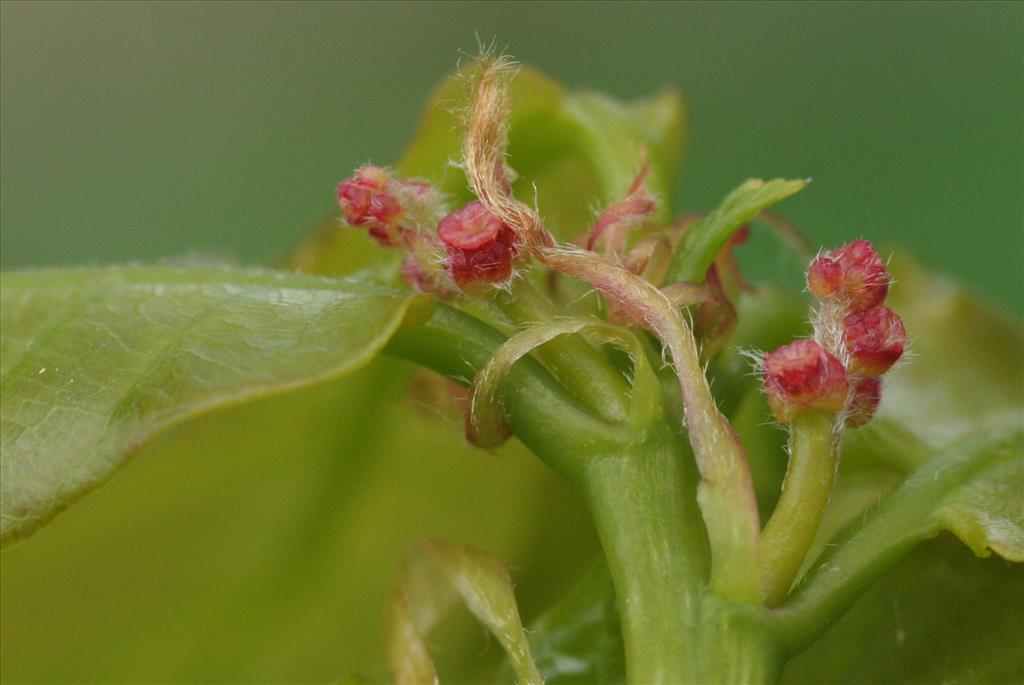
(853, 272)
(803, 375)
(423, 279)
(867, 393)
(875, 339)
(740, 236)
(481, 248)
(366, 202)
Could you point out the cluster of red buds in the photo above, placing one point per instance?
(469, 248)
(473, 251)
(857, 339)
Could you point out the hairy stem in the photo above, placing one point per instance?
(726, 494)
(640, 482)
(813, 456)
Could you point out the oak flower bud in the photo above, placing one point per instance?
(874, 339)
(481, 248)
(867, 393)
(366, 202)
(803, 376)
(854, 272)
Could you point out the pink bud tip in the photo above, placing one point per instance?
(867, 393)
(365, 202)
(875, 339)
(740, 236)
(803, 375)
(854, 272)
(481, 248)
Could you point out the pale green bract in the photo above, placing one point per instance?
(96, 361)
(435, 575)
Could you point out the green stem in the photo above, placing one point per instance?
(644, 506)
(813, 457)
(640, 485)
(541, 412)
(674, 630)
(739, 645)
(725, 494)
(582, 368)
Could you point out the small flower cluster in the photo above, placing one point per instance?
(472, 249)
(857, 339)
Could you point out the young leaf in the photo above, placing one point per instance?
(703, 241)
(941, 616)
(97, 361)
(578, 641)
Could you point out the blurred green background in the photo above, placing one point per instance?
(230, 552)
(138, 131)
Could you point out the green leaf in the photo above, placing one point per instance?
(434, 576)
(703, 241)
(578, 641)
(964, 373)
(97, 361)
(975, 489)
(941, 616)
(259, 543)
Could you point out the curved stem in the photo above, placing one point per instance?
(542, 413)
(588, 375)
(726, 494)
(640, 484)
(813, 457)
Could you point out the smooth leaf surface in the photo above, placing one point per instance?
(941, 616)
(260, 543)
(578, 641)
(97, 361)
(965, 370)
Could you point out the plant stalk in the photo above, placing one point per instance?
(644, 507)
(581, 367)
(786, 538)
(674, 630)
